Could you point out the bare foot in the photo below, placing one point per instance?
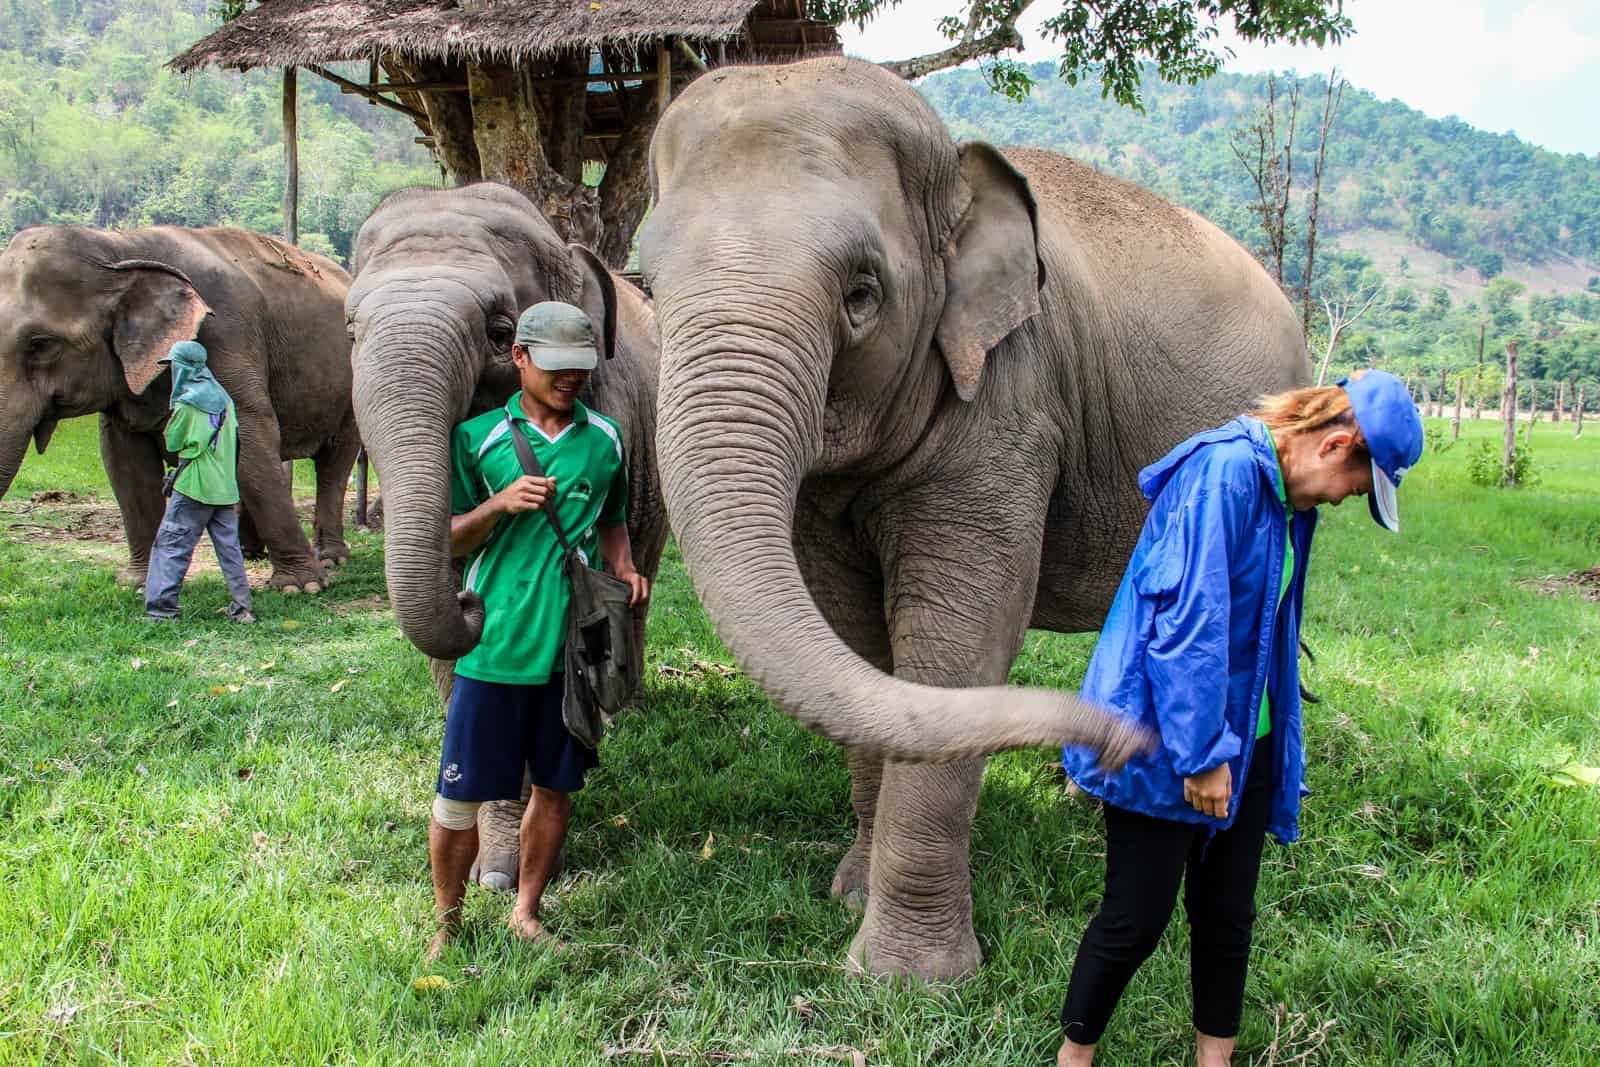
(527, 928)
(442, 940)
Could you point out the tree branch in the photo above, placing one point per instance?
(1003, 37)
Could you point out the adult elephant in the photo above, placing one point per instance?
(84, 316)
(906, 389)
(441, 277)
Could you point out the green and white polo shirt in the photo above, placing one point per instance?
(517, 570)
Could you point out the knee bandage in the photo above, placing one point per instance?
(455, 814)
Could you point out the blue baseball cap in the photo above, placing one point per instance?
(1393, 428)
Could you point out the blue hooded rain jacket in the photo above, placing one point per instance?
(1200, 595)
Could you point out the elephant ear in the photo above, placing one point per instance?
(993, 273)
(158, 308)
(599, 296)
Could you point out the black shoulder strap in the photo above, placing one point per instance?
(530, 465)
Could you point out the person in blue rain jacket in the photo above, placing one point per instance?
(1200, 645)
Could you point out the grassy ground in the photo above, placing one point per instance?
(213, 838)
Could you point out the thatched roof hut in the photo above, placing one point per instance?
(285, 33)
(522, 91)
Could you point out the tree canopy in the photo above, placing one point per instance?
(1114, 42)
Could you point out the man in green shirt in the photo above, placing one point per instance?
(504, 721)
(203, 431)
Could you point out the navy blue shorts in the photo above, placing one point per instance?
(493, 731)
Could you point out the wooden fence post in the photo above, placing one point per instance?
(1577, 415)
(1561, 399)
(1508, 408)
(361, 487)
(1455, 424)
(1477, 382)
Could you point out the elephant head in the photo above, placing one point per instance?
(440, 279)
(830, 272)
(81, 328)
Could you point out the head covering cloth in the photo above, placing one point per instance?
(192, 381)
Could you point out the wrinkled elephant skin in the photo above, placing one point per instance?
(906, 389)
(84, 316)
(441, 277)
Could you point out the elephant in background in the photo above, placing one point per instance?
(441, 277)
(84, 316)
(906, 390)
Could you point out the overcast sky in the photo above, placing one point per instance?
(1522, 65)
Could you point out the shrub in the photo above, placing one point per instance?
(1486, 465)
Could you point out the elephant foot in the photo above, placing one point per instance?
(499, 846)
(850, 880)
(132, 576)
(292, 581)
(335, 554)
(952, 957)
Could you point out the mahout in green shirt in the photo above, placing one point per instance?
(213, 476)
(517, 570)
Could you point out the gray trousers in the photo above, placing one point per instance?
(180, 531)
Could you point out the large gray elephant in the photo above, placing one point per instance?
(906, 389)
(441, 276)
(84, 316)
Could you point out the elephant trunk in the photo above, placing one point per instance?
(741, 417)
(405, 408)
(19, 423)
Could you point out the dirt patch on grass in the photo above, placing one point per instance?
(91, 530)
(1586, 584)
(376, 602)
(57, 515)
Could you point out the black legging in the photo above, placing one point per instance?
(1145, 860)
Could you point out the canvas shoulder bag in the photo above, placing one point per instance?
(171, 479)
(603, 661)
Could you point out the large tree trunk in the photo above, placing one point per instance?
(524, 126)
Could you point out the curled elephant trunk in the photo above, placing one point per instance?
(405, 409)
(740, 423)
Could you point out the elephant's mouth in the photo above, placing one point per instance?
(42, 432)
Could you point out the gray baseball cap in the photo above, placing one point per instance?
(557, 336)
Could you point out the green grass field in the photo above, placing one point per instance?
(212, 839)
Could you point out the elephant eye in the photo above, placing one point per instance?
(861, 299)
(501, 331)
(39, 346)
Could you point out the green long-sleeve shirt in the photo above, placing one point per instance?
(213, 476)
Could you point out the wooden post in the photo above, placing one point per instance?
(291, 160)
(361, 487)
(1508, 408)
(1427, 401)
(1477, 383)
(1577, 415)
(663, 77)
(1561, 401)
(1533, 410)
(1455, 425)
(1444, 387)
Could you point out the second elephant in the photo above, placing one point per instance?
(84, 316)
(441, 277)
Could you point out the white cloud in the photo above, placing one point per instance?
(1526, 65)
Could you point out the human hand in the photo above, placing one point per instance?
(640, 586)
(1209, 791)
(527, 493)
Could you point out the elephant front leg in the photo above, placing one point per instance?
(958, 601)
(918, 920)
(265, 492)
(334, 462)
(135, 468)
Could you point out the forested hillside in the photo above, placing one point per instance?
(1455, 227)
(1459, 227)
(93, 129)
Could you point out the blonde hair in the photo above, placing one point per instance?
(1309, 410)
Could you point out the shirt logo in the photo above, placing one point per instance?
(582, 489)
(452, 773)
